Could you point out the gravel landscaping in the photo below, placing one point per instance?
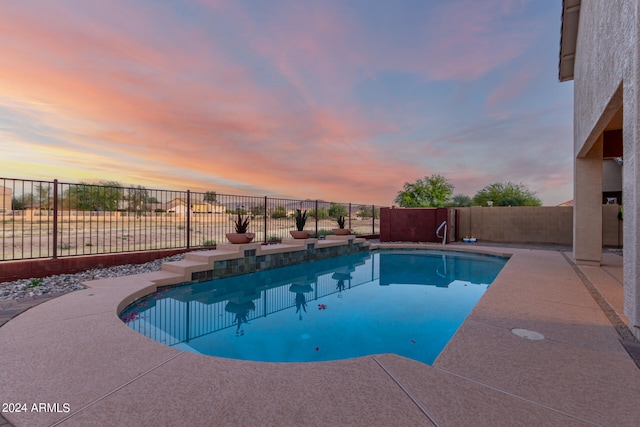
(63, 283)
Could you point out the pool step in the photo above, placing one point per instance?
(176, 272)
(163, 277)
(281, 248)
(184, 267)
(209, 257)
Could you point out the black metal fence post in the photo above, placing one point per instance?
(349, 214)
(55, 219)
(317, 213)
(373, 218)
(265, 219)
(188, 219)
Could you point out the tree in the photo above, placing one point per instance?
(366, 212)
(20, 202)
(257, 210)
(430, 192)
(42, 193)
(506, 194)
(337, 210)
(137, 199)
(321, 213)
(460, 201)
(210, 196)
(105, 196)
(239, 210)
(278, 212)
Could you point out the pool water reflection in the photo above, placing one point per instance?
(405, 302)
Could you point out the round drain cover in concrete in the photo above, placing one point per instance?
(530, 335)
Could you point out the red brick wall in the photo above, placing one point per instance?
(14, 270)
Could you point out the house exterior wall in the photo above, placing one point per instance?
(611, 176)
(5, 199)
(587, 196)
(606, 77)
(606, 37)
(612, 227)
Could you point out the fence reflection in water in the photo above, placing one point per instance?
(178, 315)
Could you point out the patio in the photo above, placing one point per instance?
(74, 350)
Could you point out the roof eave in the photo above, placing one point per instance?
(568, 38)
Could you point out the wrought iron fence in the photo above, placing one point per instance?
(51, 219)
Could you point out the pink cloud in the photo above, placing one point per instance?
(156, 98)
(457, 41)
(462, 43)
(511, 87)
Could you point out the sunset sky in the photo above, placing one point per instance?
(339, 100)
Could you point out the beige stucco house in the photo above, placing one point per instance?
(179, 206)
(208, 207)
(5, 199)
(599, 51)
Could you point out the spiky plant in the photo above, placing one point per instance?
(301, 219)
(340, 221)
(241, 224)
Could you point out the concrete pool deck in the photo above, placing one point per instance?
(74, 350)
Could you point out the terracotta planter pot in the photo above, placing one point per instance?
(238, 238)
(304, 234)
(341, 231)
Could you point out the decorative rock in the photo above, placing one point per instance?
(73, 282)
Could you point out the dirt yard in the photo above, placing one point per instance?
(97, 233)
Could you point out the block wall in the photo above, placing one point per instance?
(532, 224)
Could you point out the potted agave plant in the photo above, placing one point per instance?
(240, 225)
(341, 231)
(301, 220)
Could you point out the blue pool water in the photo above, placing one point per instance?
(404, 302)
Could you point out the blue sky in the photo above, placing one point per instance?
(335, 100)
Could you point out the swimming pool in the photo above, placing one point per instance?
(407, 302)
